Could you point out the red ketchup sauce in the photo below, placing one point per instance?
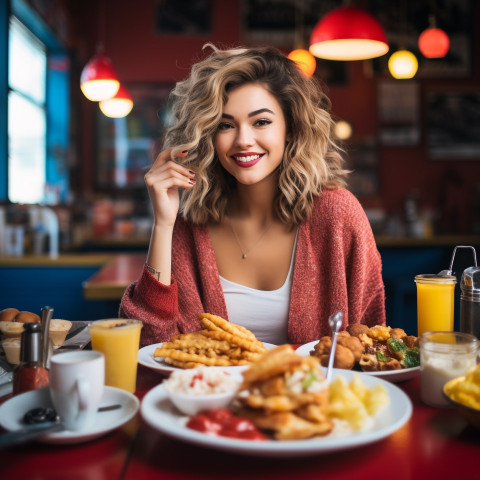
(222, 422)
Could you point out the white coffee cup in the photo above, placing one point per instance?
(76, 387)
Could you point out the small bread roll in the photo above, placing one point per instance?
(27, 317)
(8, 314)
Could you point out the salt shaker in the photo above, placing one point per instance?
(30, 374)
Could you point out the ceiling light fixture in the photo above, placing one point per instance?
(348, 33)
(119, 106)
(403, 64)
(305, 61)
(98, 80)
(433, 42)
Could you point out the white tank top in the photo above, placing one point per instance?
(264, 312)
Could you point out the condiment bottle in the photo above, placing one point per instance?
(30, 374)
(470, 300)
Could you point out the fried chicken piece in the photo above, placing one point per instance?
(410, 341)
(366, 340)
(369, 362)
(272, 363)
(398, 333)
(286, 425)
(357, 329)
(323, 345)
(379, 332)
(346, 353)
(353, 344)
(392, 364)
(314, 413)
(283, 403)
(344, 358)
(272, 386)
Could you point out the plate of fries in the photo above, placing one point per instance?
(219, 343)
(160, 414)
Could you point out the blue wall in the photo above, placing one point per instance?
(31, 288)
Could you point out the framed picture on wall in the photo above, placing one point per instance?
(183, 17)
(126, 147)
(399, 112)
(453, 123)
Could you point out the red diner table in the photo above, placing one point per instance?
(436, 443)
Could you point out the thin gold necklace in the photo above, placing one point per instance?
(246, 252)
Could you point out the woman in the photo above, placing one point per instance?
(263, 232)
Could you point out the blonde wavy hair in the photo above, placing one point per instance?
(312, 159)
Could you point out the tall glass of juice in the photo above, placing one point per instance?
(435, 301)
(118, 339)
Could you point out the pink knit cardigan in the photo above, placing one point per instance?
(337, 268)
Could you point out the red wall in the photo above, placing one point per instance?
(141, 55)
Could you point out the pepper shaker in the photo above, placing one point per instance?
(470, 301)
(30, 374)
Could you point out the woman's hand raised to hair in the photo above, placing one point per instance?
(163, 181)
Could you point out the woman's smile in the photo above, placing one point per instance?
(247, 160)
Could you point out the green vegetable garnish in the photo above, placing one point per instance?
(382, 357)
(310, 377)
(396, 345)
(412, 358)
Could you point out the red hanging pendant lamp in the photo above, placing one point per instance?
(119, 105)
(98, 80)
(348, 33)
(433, 42)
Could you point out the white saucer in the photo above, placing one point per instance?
(13, 410)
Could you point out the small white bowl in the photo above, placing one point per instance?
(177, 389)
(193, 404)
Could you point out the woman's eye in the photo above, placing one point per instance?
(224, 126)
(262, 122)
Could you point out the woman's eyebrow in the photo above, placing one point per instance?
(251, 114)
(261, 110)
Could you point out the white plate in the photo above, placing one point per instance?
(146, 358)
(390, 375)
(13, 410)
(160, 414)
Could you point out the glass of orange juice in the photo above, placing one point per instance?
(435, 300)
(118, 339)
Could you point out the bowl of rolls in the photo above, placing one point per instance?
(11, 328)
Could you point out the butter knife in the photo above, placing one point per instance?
(75, 332)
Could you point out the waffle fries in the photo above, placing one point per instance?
(219, 343)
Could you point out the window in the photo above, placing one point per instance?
(34, 109)
(27, 67)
